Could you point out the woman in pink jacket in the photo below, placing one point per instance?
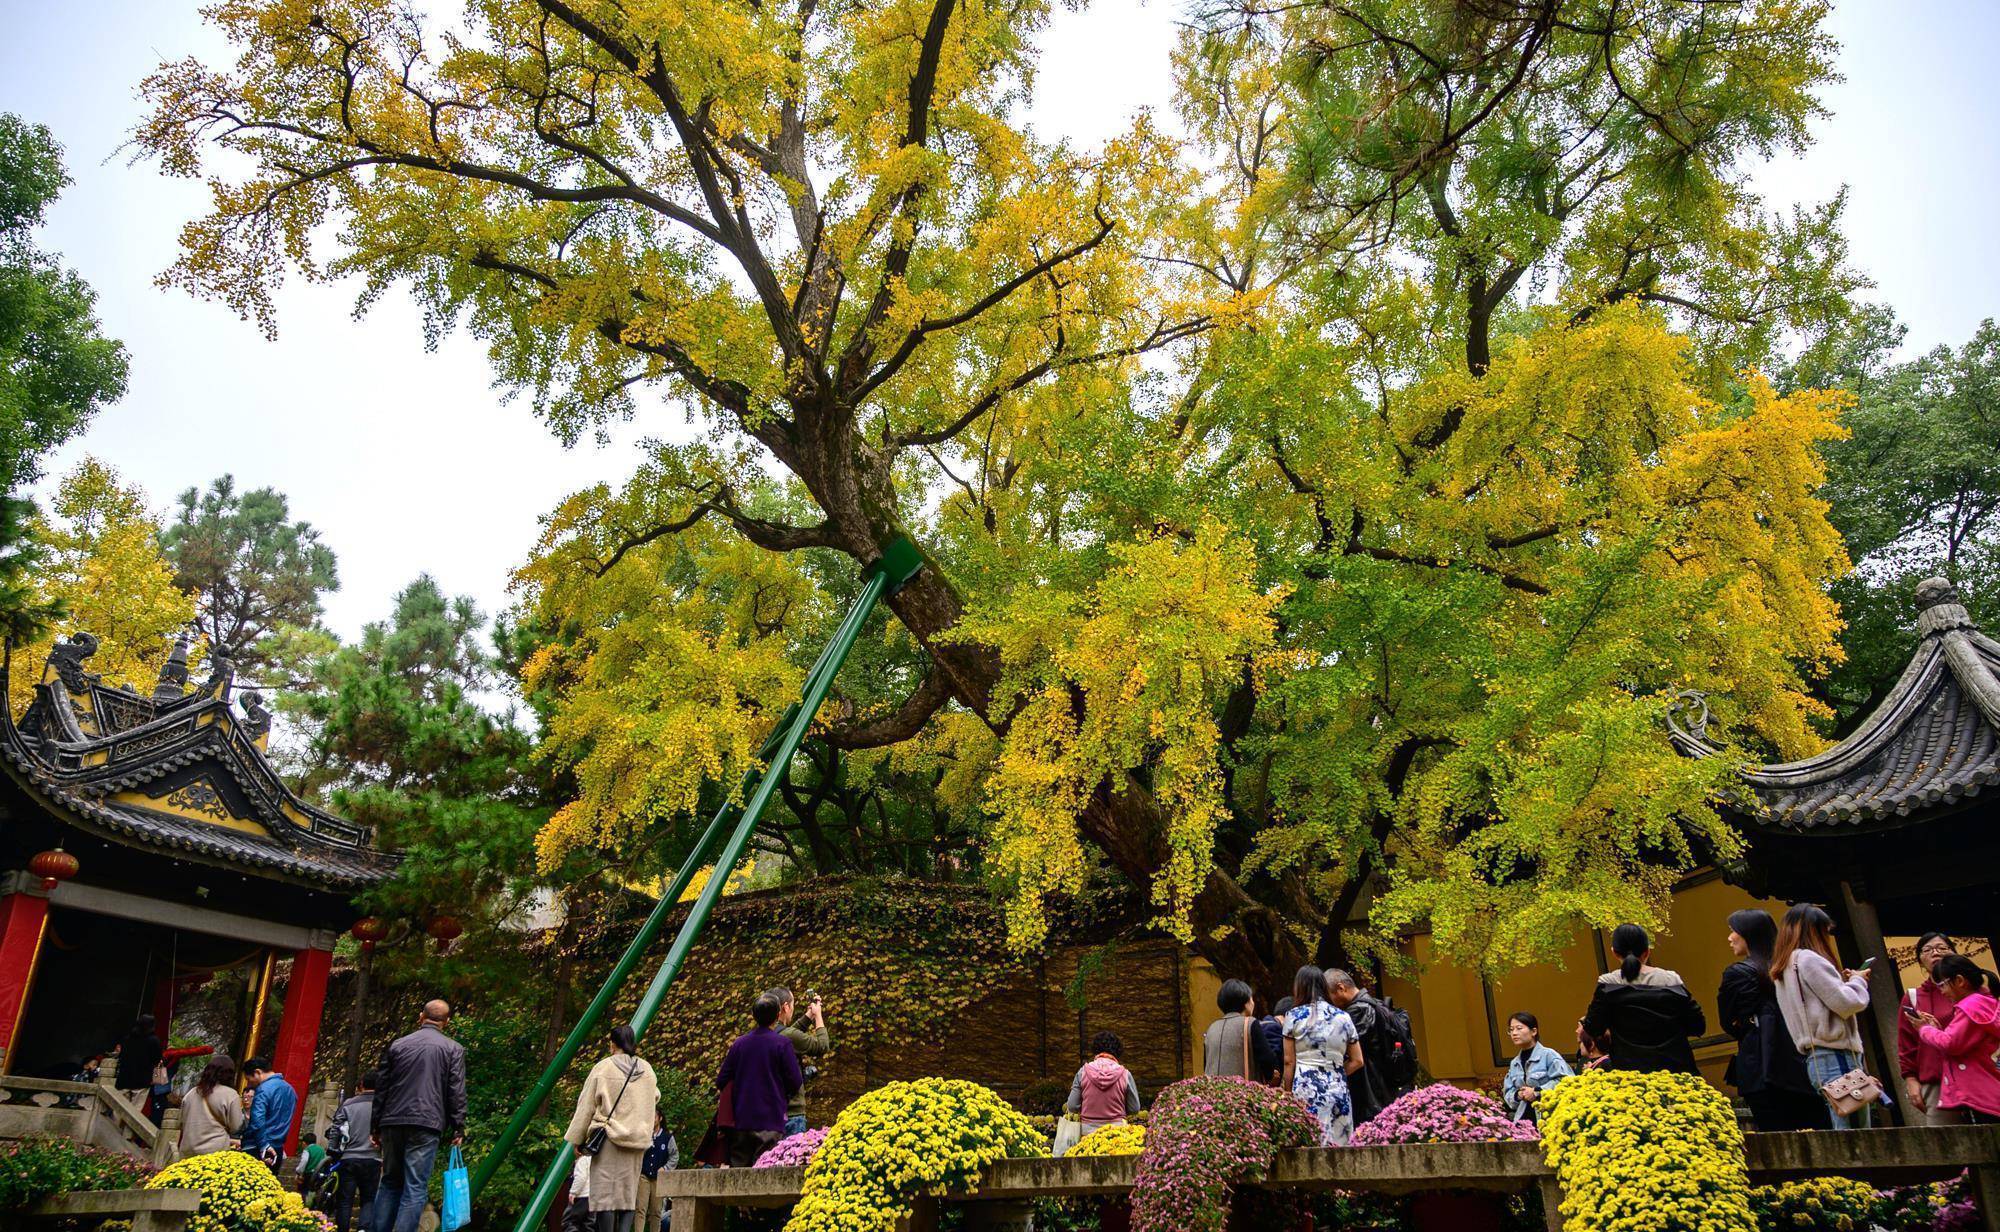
(1971, 1080)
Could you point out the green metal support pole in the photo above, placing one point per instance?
(620, 972)
(899, 562)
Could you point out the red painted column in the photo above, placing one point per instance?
(23, 916)
(298, 1033)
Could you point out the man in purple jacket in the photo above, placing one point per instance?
(758, 1078)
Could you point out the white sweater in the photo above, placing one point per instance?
(1820, 1008)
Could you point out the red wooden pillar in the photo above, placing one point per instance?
(24, 915)
(165, 990)
(298, 1033)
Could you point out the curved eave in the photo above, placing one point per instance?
(1931, 748)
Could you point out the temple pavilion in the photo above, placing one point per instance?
(1895, 828)
(145, 845)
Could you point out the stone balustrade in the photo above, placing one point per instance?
(1881, 1157)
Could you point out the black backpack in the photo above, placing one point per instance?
(1394, 1049)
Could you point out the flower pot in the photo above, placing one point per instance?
(1456, 1211)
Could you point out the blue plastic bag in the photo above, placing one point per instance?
(457, 1211)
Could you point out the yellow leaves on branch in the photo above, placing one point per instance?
(106, 567)
(1125, 676)
(668, 676)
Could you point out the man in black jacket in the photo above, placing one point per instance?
(1377, 1083)
(420, 1102)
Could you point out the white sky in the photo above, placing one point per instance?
(409, 462)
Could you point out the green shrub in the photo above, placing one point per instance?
(35, 1168)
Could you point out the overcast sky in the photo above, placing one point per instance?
(408, 461)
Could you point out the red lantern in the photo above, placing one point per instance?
(446, 929)
(368, 930)
(53, 867)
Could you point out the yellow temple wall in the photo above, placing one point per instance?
(1459, 1018)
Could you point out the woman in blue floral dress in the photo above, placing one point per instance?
(1321, 1049)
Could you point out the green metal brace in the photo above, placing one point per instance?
(900, 561)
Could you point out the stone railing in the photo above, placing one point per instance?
(1882, 1157)
(91, 1113)
(150, 1210)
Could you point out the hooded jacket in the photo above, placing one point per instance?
(1649, 1021)
(1967, 1044)
(1103, 1091)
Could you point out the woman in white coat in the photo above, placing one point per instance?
(620, 1097)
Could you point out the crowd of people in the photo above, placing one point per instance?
(1796, 1015)
(1794, 1011)
(1344, 1052)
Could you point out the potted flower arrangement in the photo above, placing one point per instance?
(1445, 1113)
(1646, 1150)
(1205, 1136)
(793, 1152)
(900, 1142)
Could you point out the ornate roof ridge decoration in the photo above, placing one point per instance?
(1931, 745)
(181, 770)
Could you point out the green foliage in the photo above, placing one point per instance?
(400, 740)
(1914, 490)
(501, 1065)
(252, 571)
(1340, 492)
(35, 1168)
(102, 566)
(891, 959)
(1608, 159)
(56, 368)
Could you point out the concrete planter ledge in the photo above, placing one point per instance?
(151, 1210)
(1882, 1157)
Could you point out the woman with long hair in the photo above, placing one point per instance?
(1321, 1049)
(1645, 1013)
(1971, 1082)
(1820, 1001)
(211, 1111)
(620, 1097)
(1767, 1070)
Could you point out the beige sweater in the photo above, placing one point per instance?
(632, 1125)
(207, 1125)
(1821, 1008)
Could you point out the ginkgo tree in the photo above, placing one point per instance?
(1239, 551)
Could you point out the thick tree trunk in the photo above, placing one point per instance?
(1241, 936)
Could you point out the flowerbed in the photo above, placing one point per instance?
(238, 1194)
(1112, 1140)
(1206, 1136)
(1443, 1113)
(32, 1169)
(793, 1152)
(904, 1140)
(1821, 1204)
(1638, 1152)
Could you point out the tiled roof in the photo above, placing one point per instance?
(197, 741)
(1932, 745)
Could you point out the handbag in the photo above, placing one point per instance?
(456, 1209)
(594, 1141)
(1069, 1132)
(1852, 1091)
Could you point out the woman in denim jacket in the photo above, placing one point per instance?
(1533, 1070)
